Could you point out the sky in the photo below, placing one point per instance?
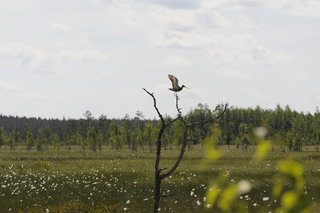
(59, 58)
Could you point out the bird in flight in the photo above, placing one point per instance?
(175, 85)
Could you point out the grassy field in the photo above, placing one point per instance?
(122, 181)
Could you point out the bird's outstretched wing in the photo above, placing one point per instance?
(174, 80)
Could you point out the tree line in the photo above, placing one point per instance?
(287, 128)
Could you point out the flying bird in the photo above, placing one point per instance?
(175, 85)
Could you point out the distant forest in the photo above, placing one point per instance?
(287, 128)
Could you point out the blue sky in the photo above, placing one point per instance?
(61, 57)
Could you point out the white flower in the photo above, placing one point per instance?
(128, 202)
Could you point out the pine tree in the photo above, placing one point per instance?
(29, 139)
(2, 137)
(14, 139)
(92, 139)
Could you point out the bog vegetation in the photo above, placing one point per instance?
(107, 165)
(110, 181)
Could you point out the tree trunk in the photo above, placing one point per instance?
(157, 178)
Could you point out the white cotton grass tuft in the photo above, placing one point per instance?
(261, 132)
(265, 198)
(244, 186)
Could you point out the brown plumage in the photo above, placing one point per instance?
(175, 85)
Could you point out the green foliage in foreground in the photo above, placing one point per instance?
(122, 181)
(288, 185)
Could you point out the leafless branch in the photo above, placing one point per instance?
(211, 119)
(160, 170)
(155, 105)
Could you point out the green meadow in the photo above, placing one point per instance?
(72, 180)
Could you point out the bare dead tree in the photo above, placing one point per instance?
(157, 171)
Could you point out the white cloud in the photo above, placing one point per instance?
(177, 61)
(256, 94)
(181, 20)
(40, 60)
(27, 55)
(317, 95)
(246, 22)
(211, 18)
(34, 96)
(171, 38)
(224, 49)
(227, 38)
(12, 87)
(232, 73)
(197, 91)
(295, 7)
(89, 55)
(61, 27)
(244, 4)
(179, 4)
(306, 8)
(304, 77)
(261, 54)
(17, 4)
(9, 86)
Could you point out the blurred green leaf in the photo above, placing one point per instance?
(289, 200)
(212, 194)
(294, 170)
(262, 150)
(299, 184)
(277, 188)
(227, 197)
(291, 168)
(213, 154)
